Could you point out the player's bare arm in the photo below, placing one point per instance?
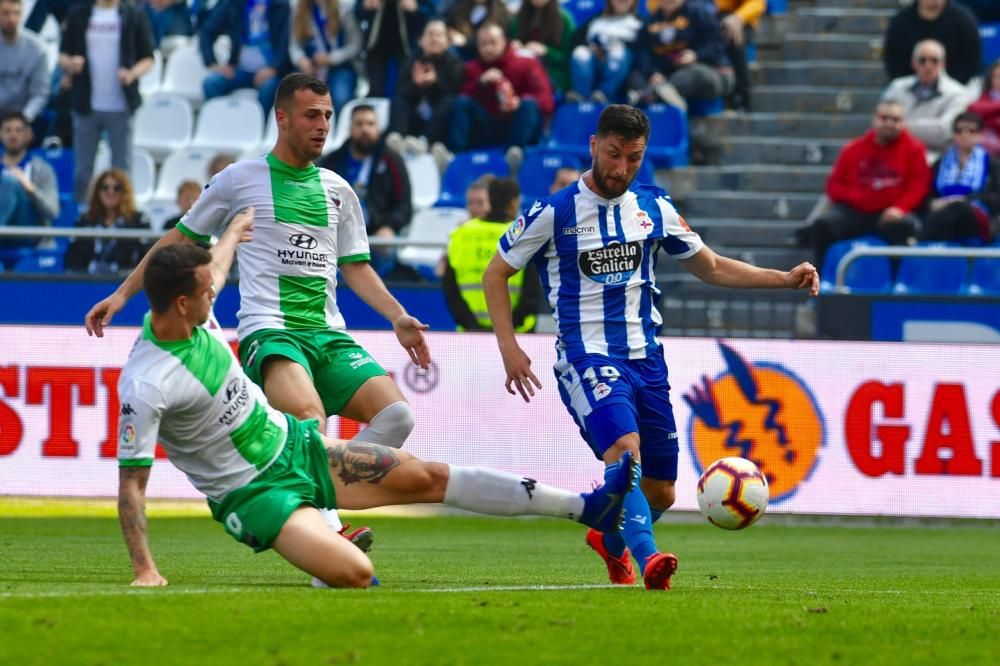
(365, 282)
(100, 315)
(132, 518)
(720, 271)
(239, 230)
(516, 363)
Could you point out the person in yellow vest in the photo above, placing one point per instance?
(470, 248)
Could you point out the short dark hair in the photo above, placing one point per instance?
(292, 83)
(170, 272)
(503, 194)
(360, 108)
(968, 118)
(623, 120)
(14, 115)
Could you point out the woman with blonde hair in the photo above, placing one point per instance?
(326, 41)
(111, 206)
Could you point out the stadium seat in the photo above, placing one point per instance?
(183, 74)
(464, 169)
(668, 136)
(539, 169)
(425, 180)
(933, 275)
(989, 35)
(699, 108)
(149, 83)
(163, 124)
(62, 162)
(185, 164)
(270, 136)
(343, 127)
(646, 173)
(159, 212)
(69, 211)
(42, 261)
(582, 10)
(430, 225)
(866, 274)
(777, 7)
(986, 277)
(142, 172)
(572, 126)
(12, 256)
(232, 124)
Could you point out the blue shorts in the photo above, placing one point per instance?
(610, 397)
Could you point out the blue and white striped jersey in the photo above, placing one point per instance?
(597, 261)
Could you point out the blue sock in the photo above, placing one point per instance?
(638, 530)
(614, 542)
(655, 513)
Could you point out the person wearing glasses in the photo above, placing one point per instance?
(944, 21)
(877, 182)
(111, 206)
(931, 99)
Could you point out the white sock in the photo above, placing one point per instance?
(332, 519)
(490, 491)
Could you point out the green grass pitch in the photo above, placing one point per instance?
(459, 590)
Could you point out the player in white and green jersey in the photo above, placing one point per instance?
(265, 473)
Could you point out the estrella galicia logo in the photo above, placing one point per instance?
(758, 411)
(303, 241)
(612, 264)
(233, 389)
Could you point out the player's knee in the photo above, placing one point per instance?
(629, 442)
(356, 573)
(660, 496)
(391, 426)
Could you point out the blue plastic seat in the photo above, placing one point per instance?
(777, 7)
(539, 169)
(698, 108)
(465, 169)
(668, 136)
(865, 274)
(989, 36)
(582, 10)
(572, 126)
(41, 261)
(933, 275)
(63, 163)
(985, 278)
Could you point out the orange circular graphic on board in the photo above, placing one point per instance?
(761, 412)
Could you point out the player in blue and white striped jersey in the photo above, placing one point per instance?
(595, 246)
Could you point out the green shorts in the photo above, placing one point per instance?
(255, 513)
(337, 365)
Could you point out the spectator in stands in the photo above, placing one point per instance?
(24, 70)
(681, 56)
(545, 29)
(943, 21)
(29, 194)
(378, 175)
(987, 107)
(217, 164)
(326, 43)
(565, 176)
(931, 99)
(470, 248)
(504, 99)
(965, 188)
(739, 19)
(187, 194)
(391, 29)
(59, 9)
(877, 183)
(427, 86)
(106, 46)
(259, 56)
(112, 206)
(604, 53)
(171, 22)
(477, 196)
(465, 17)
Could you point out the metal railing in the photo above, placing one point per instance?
(971, 253)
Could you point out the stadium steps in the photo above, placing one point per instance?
(763, 178)
(724, 231)
(841, 20)
(749, 205)
(791, 125)
(843, 73)
(805, 46)
(779, 150)
(815, 99)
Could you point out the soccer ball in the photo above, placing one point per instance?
(732, 493)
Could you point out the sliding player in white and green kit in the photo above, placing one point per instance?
(309, 225)
(265, 473)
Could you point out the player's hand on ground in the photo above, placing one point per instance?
(519, 374)
(100, 315)
(149, 579)
(410, 333)
(804, 276)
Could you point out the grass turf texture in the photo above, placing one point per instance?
(774, 594)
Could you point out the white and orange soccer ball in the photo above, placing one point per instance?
(732, 493)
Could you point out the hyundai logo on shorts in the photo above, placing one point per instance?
(303, 241)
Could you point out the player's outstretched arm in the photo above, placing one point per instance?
(516, 363)
(240, 230)
(100, 315)
(720, 271)
(365, 282)
(132, 518)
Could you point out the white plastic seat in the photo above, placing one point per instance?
(431, 225)
(159, 212)
(343, 127)
(142, 172)
(149, 83)
(185, 164)
(425, 180)
(232, 124)
(183, 74)
(163, 124)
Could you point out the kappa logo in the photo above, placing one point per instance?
(303, 241)
(127, 410)
(758, 411)
(529, 486)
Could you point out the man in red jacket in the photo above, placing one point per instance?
(878, 181)
(504, 99)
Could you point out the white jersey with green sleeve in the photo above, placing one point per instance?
(306, 223)
(193, 397)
